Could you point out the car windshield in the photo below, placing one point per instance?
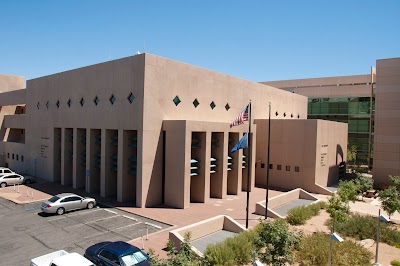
(54, 199)
(134, 258)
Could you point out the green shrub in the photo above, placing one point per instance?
(365, 227)
(299, 215)
(360, 169)
(235, 250)
(277, 241)
(348, 191)
(395, 263)
(220, 254)
(314, 250)
(322, 204)
(185, 255)
(337, 209)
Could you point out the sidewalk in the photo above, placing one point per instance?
(366, 207)
(233, 206)
(22, 194)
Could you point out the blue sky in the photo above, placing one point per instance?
(255, 40)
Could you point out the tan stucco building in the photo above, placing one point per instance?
(368, 103)
(387, 120)
(155, 131)
(346, 99)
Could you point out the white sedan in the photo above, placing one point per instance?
(13, 179)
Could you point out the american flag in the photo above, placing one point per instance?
(243, 116)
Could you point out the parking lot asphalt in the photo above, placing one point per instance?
(27, 233)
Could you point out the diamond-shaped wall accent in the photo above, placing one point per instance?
(69, 103)
(38, 105)
(96, 100)
(276, 113)
(298, 116)
(58, 103)
(112, 99)
(212, 105)
(176, 100)
(82, 102)
(131, 98)
(47, 104)
(227, 107)
(284, 114)
(196, 103)
(291, 115)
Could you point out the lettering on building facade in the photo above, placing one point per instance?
(43, 147)
(324, 154)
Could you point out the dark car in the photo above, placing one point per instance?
(116, 253)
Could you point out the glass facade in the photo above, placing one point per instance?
(355, 111)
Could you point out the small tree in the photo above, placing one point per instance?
(185, 255)
(348, 191)
(277, 241)
(364, 184)
(337, 210)
(352, 154)
(395, 180)
(390, 200)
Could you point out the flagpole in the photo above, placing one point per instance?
(249, 168)
(269, 142)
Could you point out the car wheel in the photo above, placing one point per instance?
(60, 211)
(28, 181)
(3, 185)
(90, 205)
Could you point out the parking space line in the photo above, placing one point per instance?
(156, 226)
(126, 226)
(57, 218)
(82, 212)
(134, 219)
(110, 211)
(101, 219)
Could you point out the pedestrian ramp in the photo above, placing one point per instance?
(217, 237)
(203, 233)
(279, 206)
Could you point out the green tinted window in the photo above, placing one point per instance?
(333, 108)
(353, 107)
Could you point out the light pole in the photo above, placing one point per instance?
(335, 237)
(330, 249)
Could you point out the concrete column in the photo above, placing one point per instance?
(253, 157)
(62, 156)
(75, 158)
(224, 147)
(177, 164)
(217, 178)
(122, 145)
(246, 159)
(93, 151)
(67, 152)
(103, 163)
(57, 155)
(207, 165)
(197, 183)
(234, 178)
(140, 195)
(89, 162)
